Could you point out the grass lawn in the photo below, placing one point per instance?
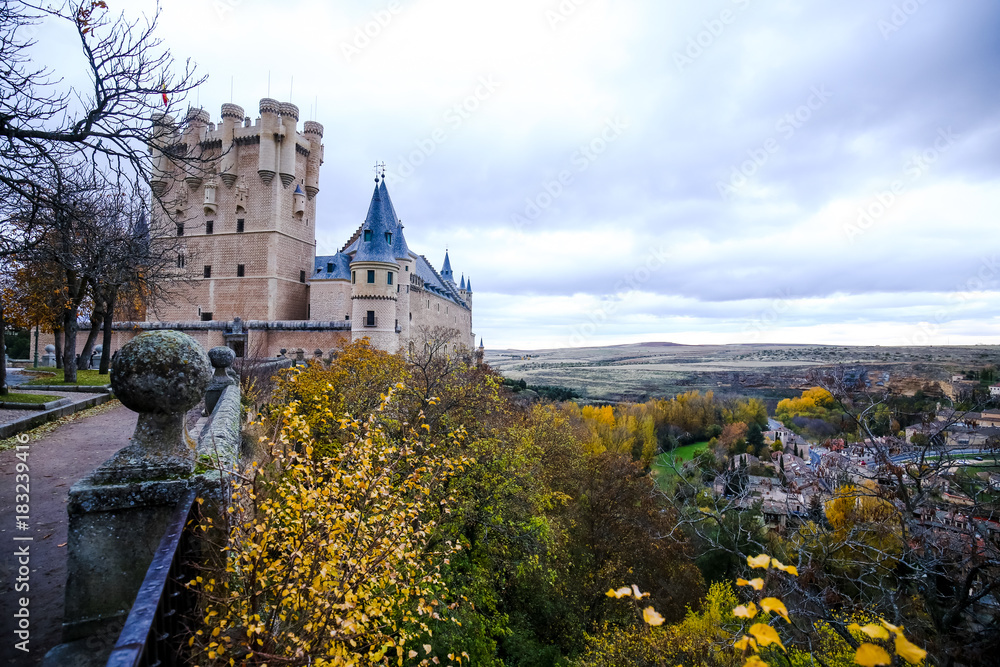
(86, 378)
(28, 398)
(662, 463)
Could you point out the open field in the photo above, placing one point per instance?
(643, 370)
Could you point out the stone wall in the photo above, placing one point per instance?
(263, 339)
(277, 241)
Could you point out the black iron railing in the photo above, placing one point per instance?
(154, 632)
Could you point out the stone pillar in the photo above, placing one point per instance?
(118, 513)
(49, 358)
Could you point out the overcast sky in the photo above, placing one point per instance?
(696, 172)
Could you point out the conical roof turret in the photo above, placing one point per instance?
(461, 285)
(378, 242)
(446, 272)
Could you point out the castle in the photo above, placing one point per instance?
(247, 274)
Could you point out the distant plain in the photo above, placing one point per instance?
(644, 370)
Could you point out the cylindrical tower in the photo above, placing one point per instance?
(373, 303)
(267, 160)
(375, 276)
(231, 117)
(406, 269)
(164, 134)
(196, 125)
(314, 133)
(289, 119)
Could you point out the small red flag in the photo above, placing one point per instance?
(165, 102)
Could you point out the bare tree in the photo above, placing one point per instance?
(48, 129)
(46, 125)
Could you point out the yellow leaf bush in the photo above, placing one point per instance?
(330, 558)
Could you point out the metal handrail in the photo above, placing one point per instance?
(153, 632)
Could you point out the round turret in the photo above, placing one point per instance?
(233, 111)
(267, 160)
(314, 133)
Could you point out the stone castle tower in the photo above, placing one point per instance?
(248, 243)
(244, 224)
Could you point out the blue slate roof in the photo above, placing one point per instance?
(380, 219)
(399, 247)
(433, 282)
(341, 265)
(446, 271)
(380, 227)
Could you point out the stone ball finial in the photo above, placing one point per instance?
(163, 372)
(221, 357)
(50, 349)
(161, 375)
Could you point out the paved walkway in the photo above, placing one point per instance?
(55, 462)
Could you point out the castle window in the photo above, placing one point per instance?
(240, 223)
(208, 270)
(354, 277)
(209, 227)
(240, 271)
(368, 235)
(302, 276)
(180, 261)
(388, 277)
(411, 317)
(180, 229)
(329, 267)
(388, 238)
(370, 318)
(206, 317)
(371, 276)
(347, 318)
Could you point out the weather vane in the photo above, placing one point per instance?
(379, 165)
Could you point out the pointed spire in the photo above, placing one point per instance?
(377, 242)
(461, 285)
(446, 271)
(468, 285)
(480, 343)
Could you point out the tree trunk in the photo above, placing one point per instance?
(109, 314)
(57, 333)
(96, 320)
(69, 349)
(3, 365)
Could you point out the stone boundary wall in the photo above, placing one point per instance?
(263, 339)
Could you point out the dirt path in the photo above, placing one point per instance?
(55, 462)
